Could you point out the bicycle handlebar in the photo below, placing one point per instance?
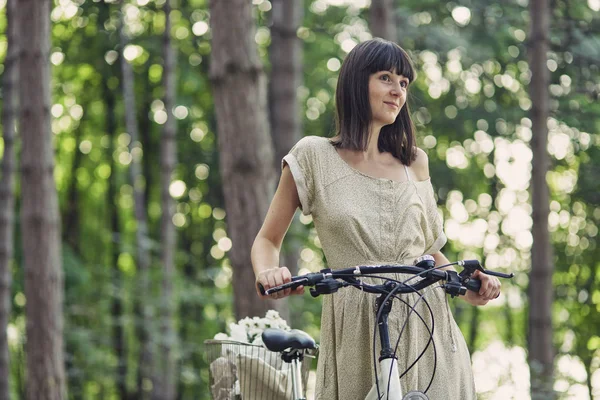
(328, 281)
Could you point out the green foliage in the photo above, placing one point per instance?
(470, 104)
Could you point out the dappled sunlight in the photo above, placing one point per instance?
(177, 188)
(200, 28)
(517, 220)
(133, 17)
(354, 32)
(571, 382)
(321, 6)
(202, 171)
(65, 10)
(224, 276)
(132, 52)
(57, 57)
(197, 134)
(513, 163)
(462, 15)
(501, 373)
(437, 84)
(456, 157)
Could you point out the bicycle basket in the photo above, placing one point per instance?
(242, 371)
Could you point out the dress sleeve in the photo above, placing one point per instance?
(435, 236)
(300, 160)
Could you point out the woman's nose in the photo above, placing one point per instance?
(396, 89)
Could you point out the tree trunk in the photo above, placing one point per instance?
(166, 388)
(40, 219)
(116, 278)
(71, 220)
(146, 138)
(245, 149)
(7, 190)
(145, 374)
(583, 338)
(117, 309)
(286, 54)
(381, 21)
(474, 328)
(541, 350)
(19, 372)
(119, 343)
(193, 322)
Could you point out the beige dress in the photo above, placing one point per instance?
(362, 220)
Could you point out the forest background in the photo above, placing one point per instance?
(162, 174)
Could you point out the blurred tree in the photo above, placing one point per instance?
(166, 369)
(540, 343)
(574, 60)
(40, 218)
(245, 147)
(7, 188)
(117, 306)
(71, 219)
(143, 256)
(117, 280)
(382, 22)
(286, 57)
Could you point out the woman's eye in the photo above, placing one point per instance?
(385, 78)
(404, 84)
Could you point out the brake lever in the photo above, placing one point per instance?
(498, 274)
(470, 266)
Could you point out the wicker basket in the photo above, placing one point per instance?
(242, 371)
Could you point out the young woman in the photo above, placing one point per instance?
(370, 196)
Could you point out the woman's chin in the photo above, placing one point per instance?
(386, 121)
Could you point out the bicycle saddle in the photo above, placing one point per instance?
(278, 340)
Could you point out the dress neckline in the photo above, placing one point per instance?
(356, 171)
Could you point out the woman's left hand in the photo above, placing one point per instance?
(490, 290)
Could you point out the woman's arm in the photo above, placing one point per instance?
(267, 244)
(490, 285)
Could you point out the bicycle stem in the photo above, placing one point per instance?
(384, 334)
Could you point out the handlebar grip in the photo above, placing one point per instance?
(295, 283)
(473, 284)
(261, 288)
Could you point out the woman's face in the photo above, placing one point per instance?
(387, 96)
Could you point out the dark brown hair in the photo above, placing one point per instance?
(353, 111)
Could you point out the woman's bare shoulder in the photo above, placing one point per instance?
(420, 165)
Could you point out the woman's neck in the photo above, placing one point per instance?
(372, 151)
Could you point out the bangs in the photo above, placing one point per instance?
(388, 56)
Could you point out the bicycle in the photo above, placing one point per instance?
(329, 281)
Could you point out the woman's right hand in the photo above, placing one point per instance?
(273, 277)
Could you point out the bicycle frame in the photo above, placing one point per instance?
(389, 369)
(295, 370)
(389, 378)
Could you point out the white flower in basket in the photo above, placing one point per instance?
(243, 360)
